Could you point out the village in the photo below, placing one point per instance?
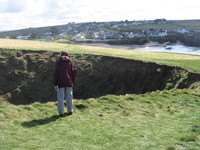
(103, 31)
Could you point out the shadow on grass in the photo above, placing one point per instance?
(38, 122)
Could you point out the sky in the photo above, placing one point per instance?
(20, 14)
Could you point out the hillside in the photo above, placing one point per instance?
(124, 99)
(23, 71)
(27, 31)
(120, 71)
(107, 31)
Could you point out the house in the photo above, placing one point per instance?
(160, 32)
(119, 36)
(181, 30)
(133, 34)
(114, 27)
(78, 37)
(47, 33)
(135, 23)
(20, 37)
(148, 21)
(95, 35)
(125, 24)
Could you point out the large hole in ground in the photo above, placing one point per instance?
(27, 76)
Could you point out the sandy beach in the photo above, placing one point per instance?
(130, 47)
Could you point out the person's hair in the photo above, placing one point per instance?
(64, 53)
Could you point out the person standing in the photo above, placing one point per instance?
(64, 74)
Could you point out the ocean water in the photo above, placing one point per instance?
(172, 49)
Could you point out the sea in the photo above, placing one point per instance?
(178, 48)
(172, 49)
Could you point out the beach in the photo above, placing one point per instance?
(153, 47)
(130, 47)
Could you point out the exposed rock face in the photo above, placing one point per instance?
(27, 76)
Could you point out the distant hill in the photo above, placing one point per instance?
(27, 31)
(106, 30)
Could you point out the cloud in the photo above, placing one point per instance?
(12, 6)
(17, 14)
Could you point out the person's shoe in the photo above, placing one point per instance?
(61, 115)
(70, 113)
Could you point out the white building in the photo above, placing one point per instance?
(181, 30)
(162, 32)
(20, 37)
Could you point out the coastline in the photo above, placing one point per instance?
(131, 47)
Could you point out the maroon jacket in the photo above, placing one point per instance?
(65, 72)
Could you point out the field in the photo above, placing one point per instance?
(169, 27)
(182, 60)
(158, 120)
(187, 24)
(164, 120)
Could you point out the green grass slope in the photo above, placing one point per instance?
(190, 62)
(164, 120)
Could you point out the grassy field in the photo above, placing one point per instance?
(188, 24)
(162, 120)
(169, 27)
(190, 62)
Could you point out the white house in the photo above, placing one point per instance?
(95, 35)
(115, 26)
(20, 37)
(162, 32)
(47, 33)
(136, 23)
(132, 35)
(78, 37)
(181, 30)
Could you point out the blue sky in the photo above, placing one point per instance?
(20, 14)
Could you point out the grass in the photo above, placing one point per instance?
(158, 120)
(188, 24)
(30, 45)
(107, 30)
(190, 62)
(164, 120)
(61, 41)
(169, 27)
